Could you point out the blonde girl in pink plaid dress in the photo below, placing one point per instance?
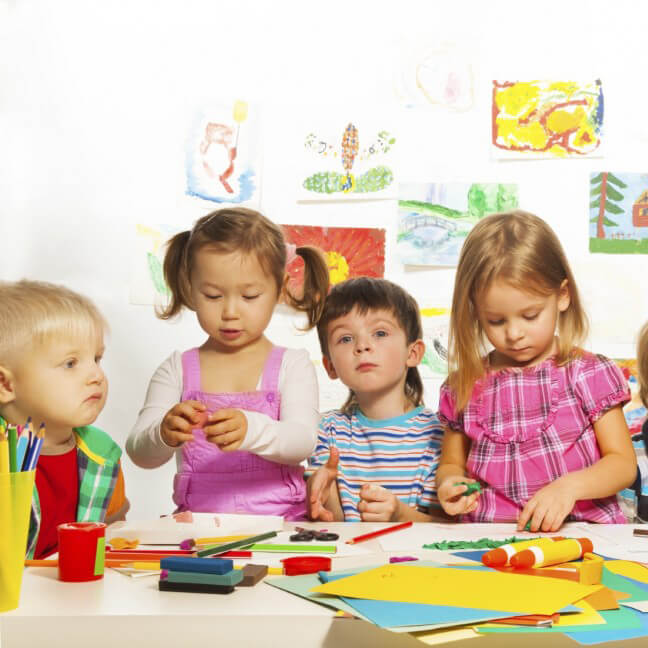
(532, 417)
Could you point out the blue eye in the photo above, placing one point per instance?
(70, 364)
(381, 333)
(345, 339)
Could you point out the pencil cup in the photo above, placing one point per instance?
(82, 551)
(15, 506)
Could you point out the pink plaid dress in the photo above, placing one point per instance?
(530, 425)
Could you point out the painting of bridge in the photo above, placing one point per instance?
(435, 218)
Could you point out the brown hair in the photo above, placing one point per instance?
(642, 363)
(523, 250)
(370, 294)
(249, 232)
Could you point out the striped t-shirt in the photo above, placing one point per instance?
(400, 454)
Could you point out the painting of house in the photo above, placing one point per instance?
(640, 211)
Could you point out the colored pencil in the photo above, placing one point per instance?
(4, 453)
(151, 565)
(35, 450)
(12, 436)
(375, 534)
(237, 544)
(21, 448)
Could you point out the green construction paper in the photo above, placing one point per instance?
(293, 548)
(100, 556)
(482, 543)
(622, 584)
(613, 621)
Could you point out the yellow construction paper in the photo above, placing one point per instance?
(629, 569)
(507, 592)
(588, 616)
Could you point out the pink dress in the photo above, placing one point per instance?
(239, 481)
(530, 425)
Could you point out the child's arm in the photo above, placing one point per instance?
(292, 438)
(615, 470)
(145, 445)
(452, 469)
(322, 496)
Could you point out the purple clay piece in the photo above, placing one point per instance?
(187, 544)
(399, 559)
(164, 574)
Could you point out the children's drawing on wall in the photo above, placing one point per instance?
(546, 119)
(350, 251)
(223, 155)
(436, 323)
(147, 278)
(435, 218)
(428, 75)
(348, 160)
(619, 213)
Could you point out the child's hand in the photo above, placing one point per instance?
(451, 496)
(227, 429)
(179, 420)
(318, 488)
(549, 507)
(377, 504)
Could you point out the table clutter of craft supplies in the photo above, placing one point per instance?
(254, 580)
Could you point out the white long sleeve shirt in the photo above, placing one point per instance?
(289, 440)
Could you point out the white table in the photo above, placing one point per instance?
(119, 611)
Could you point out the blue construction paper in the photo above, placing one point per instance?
(591, 638)
(473, 554)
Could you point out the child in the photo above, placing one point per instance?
(537, 421)
(50, 352)
(238, 413)
(376, 457)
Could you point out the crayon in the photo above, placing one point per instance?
(553, 553)
(500, 556)
(4, 453)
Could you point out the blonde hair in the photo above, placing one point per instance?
(524, 251)
(642, 363)
(370, 294)
(246, 231)
(34, 312)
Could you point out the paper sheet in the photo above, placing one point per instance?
(168, 531)
(462, 588)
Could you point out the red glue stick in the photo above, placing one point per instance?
(552, 554)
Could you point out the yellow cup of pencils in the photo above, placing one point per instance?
(15, 506)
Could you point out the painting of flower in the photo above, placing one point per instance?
(349, 251)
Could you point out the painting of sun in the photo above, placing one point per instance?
(349, 251)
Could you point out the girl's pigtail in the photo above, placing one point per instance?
(316, 284)
(176, 275)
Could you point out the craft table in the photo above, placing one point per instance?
(121, 611)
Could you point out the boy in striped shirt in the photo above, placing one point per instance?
(376, 457)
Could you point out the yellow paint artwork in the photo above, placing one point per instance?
(533, 119)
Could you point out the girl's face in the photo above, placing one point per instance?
(369, 353)
(521, 325)
(233, 297)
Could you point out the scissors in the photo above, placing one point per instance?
(306, 535)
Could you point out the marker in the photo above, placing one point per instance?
(375, 534)
(501, 556)
(553, 553)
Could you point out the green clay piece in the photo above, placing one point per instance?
(482, 543)
(473, 487)
(230, 579)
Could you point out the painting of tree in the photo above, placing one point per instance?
(606, 196)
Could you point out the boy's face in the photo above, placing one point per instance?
(61, 384)
(369, 352)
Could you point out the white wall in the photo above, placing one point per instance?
(94, 99)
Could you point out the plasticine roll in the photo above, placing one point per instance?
(552, 554)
